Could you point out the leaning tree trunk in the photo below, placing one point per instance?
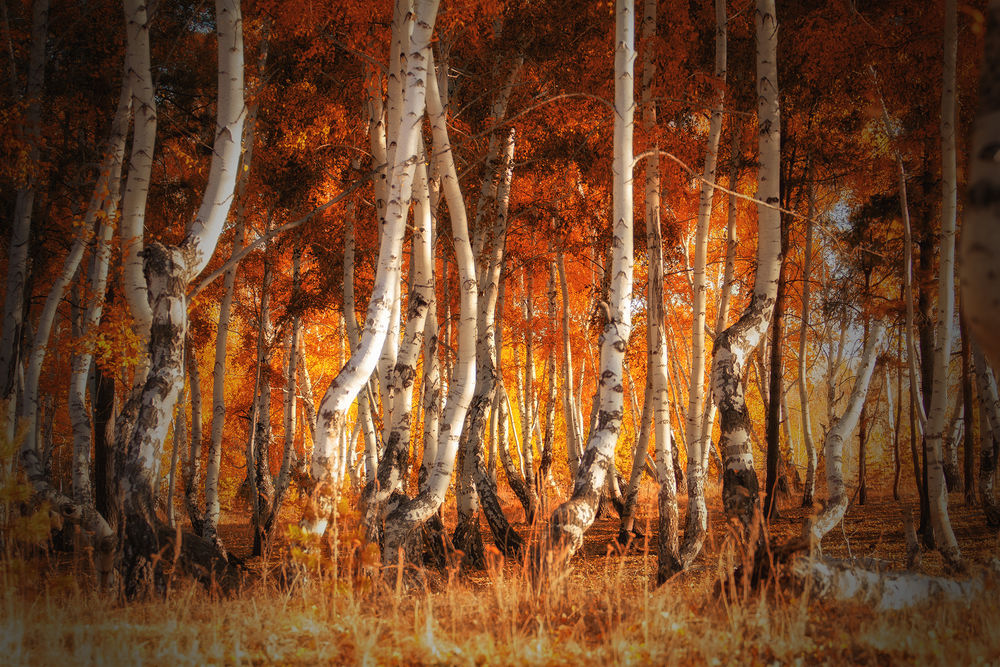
(839, 433)
(732, 346)
(980, 280)
(403, 522)
(327, 469)
(571, 519)
(168, 271)
(937, 491)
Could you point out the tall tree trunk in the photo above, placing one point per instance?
(140, 165)
(572, 518)
(574, 433)
(774, 390)
(193, 476)
(732, 346)
(168, 272)
(807, 438)
(393, 464)
(698, 429)
(402, 523)
(488, 377)
(352, 378)
(937, 492)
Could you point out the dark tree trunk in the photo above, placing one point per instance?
(969, 446)
(104, 414)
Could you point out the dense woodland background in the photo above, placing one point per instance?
(531, 100)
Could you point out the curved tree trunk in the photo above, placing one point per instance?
(326, 466)
(839, 433)
(168, 272)
(732, 346)
(402, 523)
(487, 378)
(572, 518)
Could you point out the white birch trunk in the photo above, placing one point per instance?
(839, 433)
(574, 433)
(699, 424)
(168, 271)
(571, 519)
(394, 462)
(740, 486)
(403, 521)
(937, 489)
(811, 455)
(696, 393)
(140, 165)
(342, 391)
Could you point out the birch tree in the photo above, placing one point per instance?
(332, 413)
(732, 346)
(839, 433)
(573, 517)
(401, 523)
(937, 491)
(168, 271)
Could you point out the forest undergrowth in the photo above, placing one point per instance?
(603, 610)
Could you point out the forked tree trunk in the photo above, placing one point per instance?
(487, 379)
(980, 280)
(571, 519)
(403, 522)
(393, 464)
(168, 271)
(839, 433)
(732, 346)
(327, 468)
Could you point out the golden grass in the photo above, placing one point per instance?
(602, 611)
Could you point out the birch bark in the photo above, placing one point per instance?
(732, 346)
(839, 433)
(401, 524)
(332, 413)
(572, 518)
(937, 490)
(168, 271)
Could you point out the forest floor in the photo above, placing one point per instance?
(603, 610)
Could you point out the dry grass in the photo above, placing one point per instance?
(602, 611)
